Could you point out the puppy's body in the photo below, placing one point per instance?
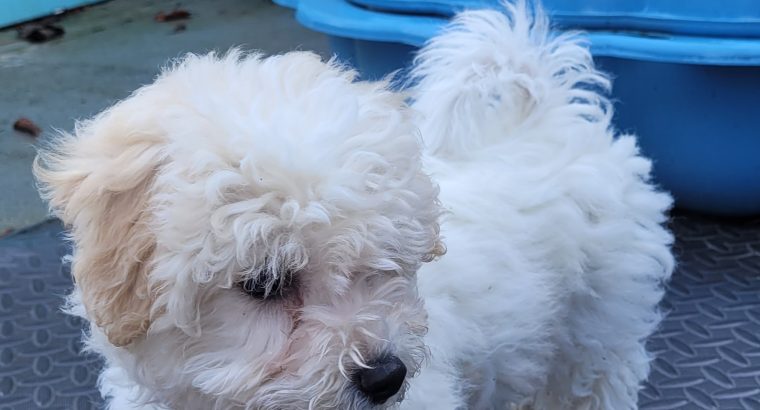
(289, 173)
(556, 257)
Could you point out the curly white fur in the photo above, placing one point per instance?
(288, 170)
(232, 167)
(557, 255)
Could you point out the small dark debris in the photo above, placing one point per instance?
(40, 32)
(26, 126)
(175, 15)
(76, 10)
(180, 27)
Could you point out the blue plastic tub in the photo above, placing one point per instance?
(18, 11)
(286, 3)
(699, 17)
(693, 101)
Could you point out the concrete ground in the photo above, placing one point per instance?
(109, 50)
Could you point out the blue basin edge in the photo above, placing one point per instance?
(692, 101)
(340, 18)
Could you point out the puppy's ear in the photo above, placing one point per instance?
(98, 181)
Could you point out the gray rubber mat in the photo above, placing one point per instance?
(41, 364)
(708, 348)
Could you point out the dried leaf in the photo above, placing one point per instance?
(26, 126)
(175, 15)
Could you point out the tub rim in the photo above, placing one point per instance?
(344, 19)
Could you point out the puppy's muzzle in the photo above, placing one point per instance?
(382, 380)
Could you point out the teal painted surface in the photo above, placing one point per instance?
(109, 50)
(18, 11)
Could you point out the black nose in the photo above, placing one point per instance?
(383, 380)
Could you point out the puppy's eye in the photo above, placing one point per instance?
(256, 287)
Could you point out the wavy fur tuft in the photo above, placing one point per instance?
(491, 73)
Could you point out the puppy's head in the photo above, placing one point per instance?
(248, 230)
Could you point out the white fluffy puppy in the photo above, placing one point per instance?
(246, 235)
(556, 253)
(249, 233)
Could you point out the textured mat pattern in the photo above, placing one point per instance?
(708, 348)
(41, 366)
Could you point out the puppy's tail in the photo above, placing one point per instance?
(491, 72)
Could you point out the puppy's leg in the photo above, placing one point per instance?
(602, 357)
(437, 387)
(120, 392)
(441, 383)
